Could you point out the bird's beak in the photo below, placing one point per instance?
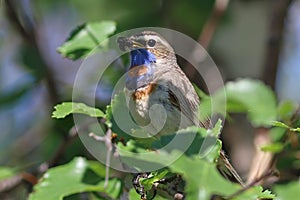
(125, 42)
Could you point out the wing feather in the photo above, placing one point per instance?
(183, 96)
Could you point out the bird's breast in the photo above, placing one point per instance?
(150, 107)
(139, 76)
(144, 93)
(137, 71)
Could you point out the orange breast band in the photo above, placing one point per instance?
(145, 92)
(137, 71)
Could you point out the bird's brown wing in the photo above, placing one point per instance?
(183, 96)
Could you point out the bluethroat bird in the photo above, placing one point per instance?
(161, 97)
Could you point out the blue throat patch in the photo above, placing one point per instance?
(143, 58)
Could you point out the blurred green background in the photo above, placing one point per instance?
(34, 77)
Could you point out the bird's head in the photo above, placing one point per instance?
(147, 47)
(148, 53)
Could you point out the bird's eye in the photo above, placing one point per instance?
(151, 43)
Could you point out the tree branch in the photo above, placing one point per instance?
(206, 36)
(211, 24)
(29, 35)
(276, 29)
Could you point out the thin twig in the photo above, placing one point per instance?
(10, 183)
(107, 140)
(62, 148)
(253, 183)
(108, 156)
(59, 151)
(14, 181)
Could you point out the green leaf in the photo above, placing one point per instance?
(210, 105)
(283, 125)
(216, 131)
(277, 133)
(67, 108)
(290, 191)
(99, 169)
(7, 172)
(274, 147)
(265, 194)
(71, 178)
(200, 173)
(119, 118)
(202, 178)
(133, 195)
(193, 142)
(254, 98)
(206, 181)
(32, 61)
(84, 39)
(286, 110)
(280, 124)
(295, 129)
(201, 94)
(256, 192)
(154, 177)
(242, 96)
(205, 109)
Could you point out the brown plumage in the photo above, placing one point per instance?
(161, 98)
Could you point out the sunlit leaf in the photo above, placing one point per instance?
(257, 193)
(86, 38)
(280, 124)
(242, 96)
(200, 173)
(193, 142)
(254, 98)
(295, 129)
(154, 177)
(67, 108)
(216, 130)
(283, 125)
(204, 182)
(71, 178)
(207, 181)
